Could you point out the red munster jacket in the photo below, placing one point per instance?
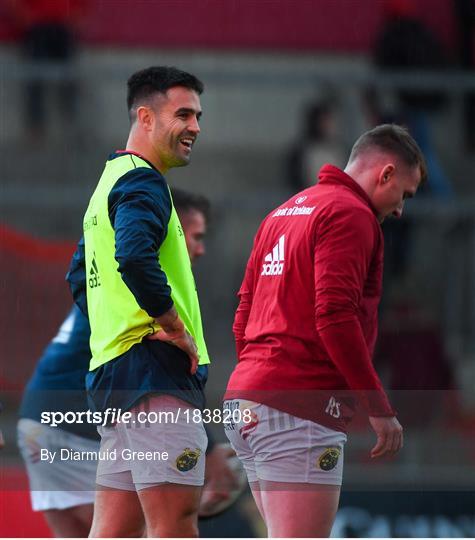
(306, 324)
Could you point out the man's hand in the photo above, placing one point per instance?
(183, 341)
(389, 433)
(173, 331)
(220, 480)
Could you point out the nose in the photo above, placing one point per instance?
(194, 126)
(199, 251)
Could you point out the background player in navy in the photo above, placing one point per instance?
(58, 385)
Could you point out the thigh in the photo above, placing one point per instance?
(233, 409)
(72, 522)
(112, 470)
(56, 481)
(170, 448)
(117, 513)
(295, 463)
(299, 510)
(295, 450)
(170, 510)
(256, 494)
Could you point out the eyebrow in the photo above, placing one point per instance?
(189, 111)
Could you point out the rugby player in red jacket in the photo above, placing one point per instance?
(305, 331)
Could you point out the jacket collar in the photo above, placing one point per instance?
(119, 153)
(331, 175)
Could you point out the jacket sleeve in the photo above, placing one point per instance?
(345, 246)
(76, 277)
(139, 211)
(242, 313)
(245, 294)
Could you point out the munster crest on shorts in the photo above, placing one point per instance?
(329, 459)
(188, 459)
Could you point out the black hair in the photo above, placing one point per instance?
(393, 139)
(158, 79)
(313, 116)
(184, 201)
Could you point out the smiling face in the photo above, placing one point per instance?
(171, 124)
(395, 184)
(177, 125)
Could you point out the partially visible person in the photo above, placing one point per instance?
(406, 43)
(48, 30)
(131, 274)
(319, 143)
(305, 332)
(65, 492)
(194, 213)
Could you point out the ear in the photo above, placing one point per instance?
(386, 173)
(145, 117)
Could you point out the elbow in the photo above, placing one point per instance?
(238, 331)
(325, 307)
(240, 323)
(128, 264)
(327, 314)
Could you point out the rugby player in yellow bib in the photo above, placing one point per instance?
(148, 350)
